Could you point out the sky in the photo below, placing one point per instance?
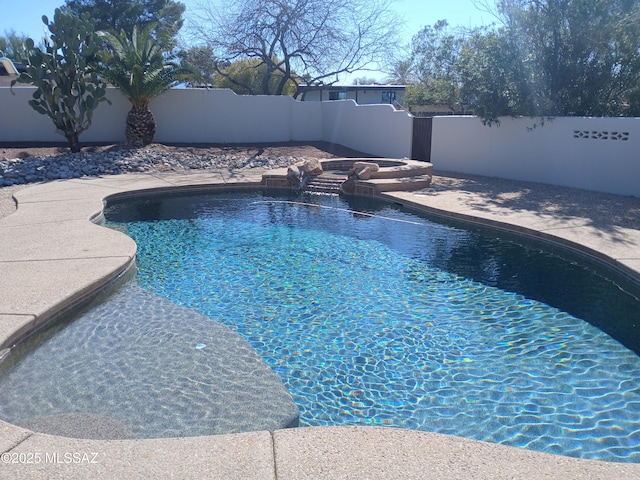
(24, 16)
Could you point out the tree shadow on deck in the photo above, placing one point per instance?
(605, 212)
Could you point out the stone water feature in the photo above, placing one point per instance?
(360, 176)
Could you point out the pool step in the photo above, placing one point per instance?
(325, 183)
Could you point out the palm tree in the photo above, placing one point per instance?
(141, 68)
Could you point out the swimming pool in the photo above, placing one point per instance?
(393, 319)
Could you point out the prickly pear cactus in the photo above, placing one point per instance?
(65, 74)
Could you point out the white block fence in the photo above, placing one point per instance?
(599, 154)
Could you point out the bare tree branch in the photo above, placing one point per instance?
(313, 40)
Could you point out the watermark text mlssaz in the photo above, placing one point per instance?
(36, 458)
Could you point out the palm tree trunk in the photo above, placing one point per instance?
(141, 126)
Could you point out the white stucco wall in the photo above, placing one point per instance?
(375, 129)
(568, 151)
(20, 123)
(306, 121)
(221, 116)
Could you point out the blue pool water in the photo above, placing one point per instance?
(379, 318)
(392, 319)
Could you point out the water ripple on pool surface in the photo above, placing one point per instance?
(140, 366)
(361, 334)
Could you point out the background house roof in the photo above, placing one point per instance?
(9, 71)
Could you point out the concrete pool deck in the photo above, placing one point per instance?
(52, 257)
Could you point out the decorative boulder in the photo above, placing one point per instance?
(363, 170)
(311, 167)
(364, 173)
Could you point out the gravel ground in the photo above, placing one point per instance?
(21, 164)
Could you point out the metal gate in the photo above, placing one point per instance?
(421, 140)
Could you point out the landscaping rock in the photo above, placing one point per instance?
(311, 167)
(17, 171)
(363, 170)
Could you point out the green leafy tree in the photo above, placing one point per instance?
(202, 60)
(68, 86)
(246, 77)
(436, 52)
(138, 65)
(117, 15)
(12, 45)
(495, 77)
(545, 58)
(556, 57)
(584, 52)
